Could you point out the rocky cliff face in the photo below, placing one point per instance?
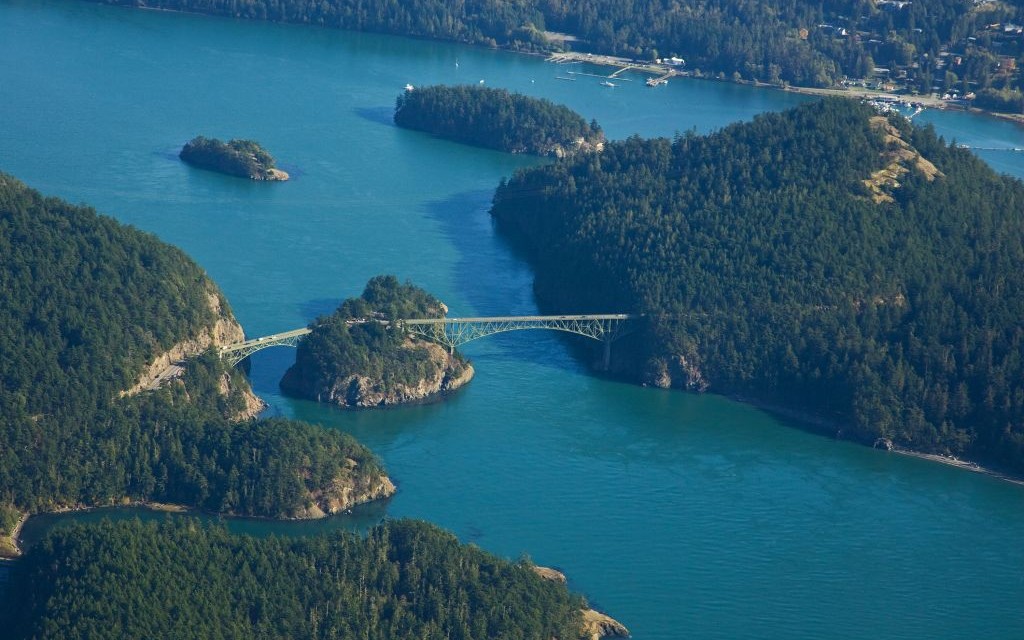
(678, 371)
(578, 146)
(347, 491)
(254, 405)
(225, 330)
(361, 391)
(597, 625)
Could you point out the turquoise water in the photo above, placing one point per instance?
(682, 515)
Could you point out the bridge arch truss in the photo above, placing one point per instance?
(455, 332)
(235, 353)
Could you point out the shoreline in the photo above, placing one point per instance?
(165, 507)
(966, 465)
(594, 624)
(14, 536)
(930, 101)
(796, 418)
(669, 71)
(823, 426)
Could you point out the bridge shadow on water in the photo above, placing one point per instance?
(494, 279)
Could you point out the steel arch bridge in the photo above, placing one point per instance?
(235, 353)
(455, 332)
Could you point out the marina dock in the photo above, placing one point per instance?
(662, 72)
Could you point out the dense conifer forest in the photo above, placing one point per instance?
(182, 579)
(497, 119)
(87, 304)
(360, 341)
(242, 158)
(967, 45)
(826, 259)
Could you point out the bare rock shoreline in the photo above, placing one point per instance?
(825, 426)
(358, 391)
(595, 625)
(9, 548)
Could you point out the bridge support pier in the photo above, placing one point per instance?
(607, 360)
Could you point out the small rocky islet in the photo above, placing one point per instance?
(242, 158)
(358, 357)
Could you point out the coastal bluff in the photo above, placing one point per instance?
(358, 358)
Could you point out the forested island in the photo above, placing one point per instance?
(242, 158)
(962, 46)
(90, 305)
(359, 357)
(828, 260)
(183, 579)
(498, 119)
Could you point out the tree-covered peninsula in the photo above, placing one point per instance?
(242, 158)
(90, 306)
(182, 579)
(360, 357)
(497, 119)
(826, 259)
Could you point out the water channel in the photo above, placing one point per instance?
(682, 515)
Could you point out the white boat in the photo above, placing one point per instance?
(606, 83)
(409, 87)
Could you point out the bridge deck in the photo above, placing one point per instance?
(453, 332)
(294, 333)
(598, 316)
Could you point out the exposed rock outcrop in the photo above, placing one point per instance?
(346, 492)
(167, 365)
(677, 371)
(554, 575)
(9, 539)
(580, 145)
(362, 391)
(595, 625)
(271, 175)
(254, 405)
(900, 156)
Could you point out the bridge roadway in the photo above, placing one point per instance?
(454, 332)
